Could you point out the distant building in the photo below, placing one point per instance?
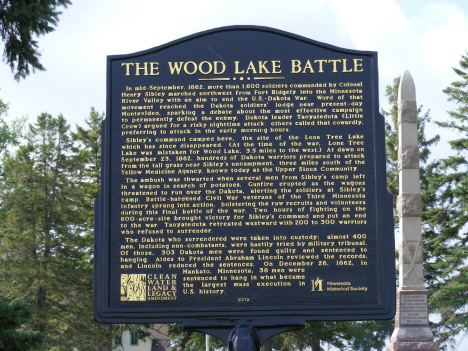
(158, 341)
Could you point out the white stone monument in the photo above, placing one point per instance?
(411, 322)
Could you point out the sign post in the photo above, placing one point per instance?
(243, 184)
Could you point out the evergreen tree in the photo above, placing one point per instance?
(20, 22)
(87, 155)
(9, 134)
(47, 193)
(41, 247)
(88, 334)
(451, 218)
(13, 316)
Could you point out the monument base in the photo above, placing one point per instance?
(413, 346)
(412, 331)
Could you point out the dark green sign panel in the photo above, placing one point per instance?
(243, 178)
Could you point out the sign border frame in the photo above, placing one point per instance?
(259, 315)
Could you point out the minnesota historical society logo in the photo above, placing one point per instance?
(133, 287)
(317, 285)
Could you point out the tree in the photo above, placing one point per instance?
(20, 21)
(47, 193)
(87, 154)
(9, 134)
(451, 219)
(41, 249)
(15, 314)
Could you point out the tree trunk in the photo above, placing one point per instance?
(315, 343)
(108, 344)
(41, 298)
(105, 344)
(266, 346)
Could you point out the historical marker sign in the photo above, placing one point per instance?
(243, 179)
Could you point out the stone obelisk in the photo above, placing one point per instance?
(411, 322)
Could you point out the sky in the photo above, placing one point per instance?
(426, 37)
(422, 36)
